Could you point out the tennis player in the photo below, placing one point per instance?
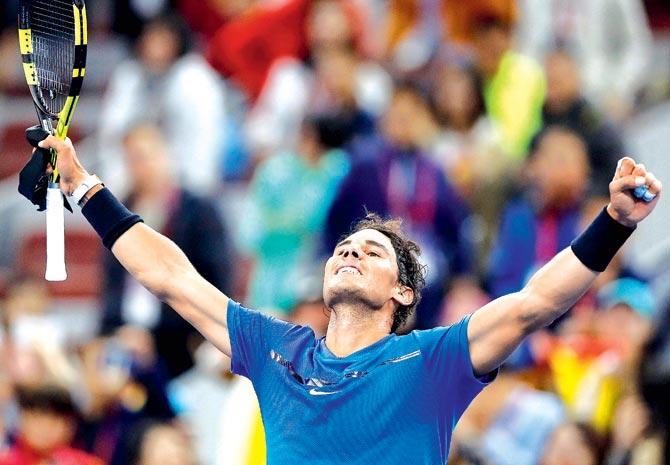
(362, 394)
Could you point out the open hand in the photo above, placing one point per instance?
(624, 207)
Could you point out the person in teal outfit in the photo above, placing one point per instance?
(290, 195)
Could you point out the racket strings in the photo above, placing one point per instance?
(53, 31)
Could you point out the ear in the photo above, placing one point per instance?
(403, 294)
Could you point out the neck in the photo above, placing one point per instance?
(351, 329)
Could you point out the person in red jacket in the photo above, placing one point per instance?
(48, 422)
(245, 48)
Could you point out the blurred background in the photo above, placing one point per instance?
(254, 132)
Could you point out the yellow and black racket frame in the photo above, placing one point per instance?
(46, 117)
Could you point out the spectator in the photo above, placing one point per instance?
(508, 423)
(274, 31)
(161, 444)
(289, 198)
(574, 444)
(335, 77)
(469, 147)
(129, 17)
(48, 422)
(596, 354)
(123, 387)
(191, 221)
(36, 339)
(174, 88)
(513, 85)
(545, 218)
(634, 441)
(200, 397)
(469, 150)
(610, 40)
(416, 29)
(566, 106)
(205, 17)
(396, 178)
(654, 381)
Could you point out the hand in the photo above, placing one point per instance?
(71, 172)
(624, 207)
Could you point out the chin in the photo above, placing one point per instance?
(349, 294)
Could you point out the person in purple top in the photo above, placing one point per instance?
(361, 394)
(391, 175)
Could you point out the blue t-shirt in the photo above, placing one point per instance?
(393, 402)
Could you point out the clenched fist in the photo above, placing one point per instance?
(72, 173)
(624, 207)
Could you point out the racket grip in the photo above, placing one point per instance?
(55, 235)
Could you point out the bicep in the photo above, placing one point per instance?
(160, 266)
(499, 327)
(495, 330)
(203, 306)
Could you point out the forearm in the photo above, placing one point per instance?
(159, 265)
(558, 285)
(152, 259)
(554, 289)
(500, 326)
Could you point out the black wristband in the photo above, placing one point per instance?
(109, 217)
(597, 246)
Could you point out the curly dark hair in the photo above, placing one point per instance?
(411, 272)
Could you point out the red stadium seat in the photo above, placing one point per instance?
(82, 259)
(14, 149)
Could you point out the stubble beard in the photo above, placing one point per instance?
(354, 302)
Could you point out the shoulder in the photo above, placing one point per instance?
(336, 162)
(278, 168)
(430, 337)
(267, 324)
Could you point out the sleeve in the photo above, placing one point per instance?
(449, 366)
(253, 334)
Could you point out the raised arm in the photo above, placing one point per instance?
(153, 259)
(498, 328)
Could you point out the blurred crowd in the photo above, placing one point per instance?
(253, 133)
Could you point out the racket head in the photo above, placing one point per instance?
(53, 39)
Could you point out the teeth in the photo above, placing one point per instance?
(349, 269)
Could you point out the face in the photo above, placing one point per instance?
(158, 48)
(335, 69)
(327, 25)
(164, 445)
(44, 431)
(146, 157)
(490, 46)
(363, 271)
(562, 82)
(560, 169)
(457, 96)
(622, 323)
(399, 121)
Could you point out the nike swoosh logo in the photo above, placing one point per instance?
(314, 392)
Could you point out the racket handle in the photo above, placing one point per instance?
(55, 235)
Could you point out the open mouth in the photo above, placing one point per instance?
(348, 269)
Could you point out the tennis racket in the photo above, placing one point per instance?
(52, 39)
